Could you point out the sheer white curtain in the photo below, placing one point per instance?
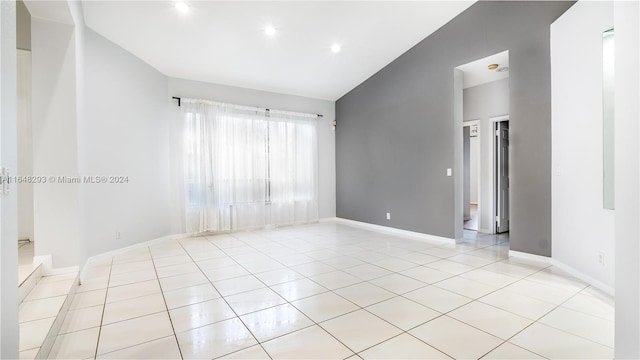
(238, 167)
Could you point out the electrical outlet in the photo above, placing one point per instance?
(449, 172)
(117, 235)
(601, 258)
(388, 216)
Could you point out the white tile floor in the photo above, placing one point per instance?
(331, 291)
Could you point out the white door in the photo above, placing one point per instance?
(502, 177)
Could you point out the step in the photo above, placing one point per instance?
(29, 281)
(42, 311)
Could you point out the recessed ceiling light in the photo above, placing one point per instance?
(335, 48)
(270, 30)
(182, 7)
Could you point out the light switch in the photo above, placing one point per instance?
(449, 172)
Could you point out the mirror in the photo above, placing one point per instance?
(608, 86)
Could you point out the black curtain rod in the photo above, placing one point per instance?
(179, 103)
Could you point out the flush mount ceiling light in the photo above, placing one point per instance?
(182, 7)
(270, 30)
(493, 66)
(335, 48)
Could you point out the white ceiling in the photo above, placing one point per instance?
(477, 72)
(225, 43)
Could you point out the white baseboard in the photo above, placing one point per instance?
(584, 277)
(42, 259)
(49, 270)
(564, 267)
(527, 256)
(392, 231)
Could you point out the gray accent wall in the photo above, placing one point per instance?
(395, 134)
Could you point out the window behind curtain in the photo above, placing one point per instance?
(245, 168)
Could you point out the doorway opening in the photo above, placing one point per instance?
(481, 108)
(471, 172)
(501, 174)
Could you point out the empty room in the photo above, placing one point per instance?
(199, 179)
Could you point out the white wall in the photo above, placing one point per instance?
(124, 132)
(8, 203)
(581, 227)
(77, 17)
(627, 182)
(481, 103)
(56, 206)
(98, 111)
(326, 134)
(25, 146)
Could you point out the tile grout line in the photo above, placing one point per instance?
(104, 307)
(164, 299)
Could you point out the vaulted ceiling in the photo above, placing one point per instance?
(225, 41)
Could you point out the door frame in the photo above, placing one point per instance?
(493, 121)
